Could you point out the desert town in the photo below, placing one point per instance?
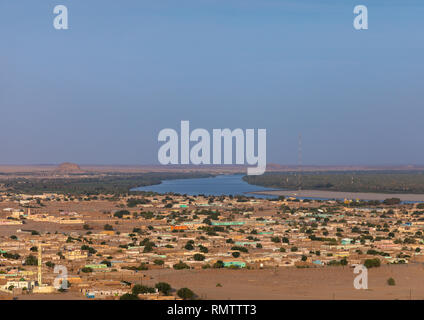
(115, 247)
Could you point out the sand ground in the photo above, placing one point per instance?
(282, 284)
(292, 283)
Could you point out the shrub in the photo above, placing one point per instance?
(186, 294)
(31, 260)
(219, 264)
(203, 249)
(120, 214)
(106, 262)
(199, 257)
(180, 265)
(372, 263)
(129, 296)
(140, 289)
(236, 254)
(188, 246)
(238, 248)
(163, 287)
(108, 227)
(275, 239)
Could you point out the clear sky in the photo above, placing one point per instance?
(100, 92)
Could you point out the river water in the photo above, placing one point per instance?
(235, 185)
(215, 186)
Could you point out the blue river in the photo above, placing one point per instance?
(215, 186)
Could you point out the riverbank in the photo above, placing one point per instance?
(318, 194)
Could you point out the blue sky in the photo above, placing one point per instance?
(100, 92)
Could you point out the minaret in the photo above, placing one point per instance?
(39, 265)
(29, 211)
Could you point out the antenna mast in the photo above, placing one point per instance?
(299, 163)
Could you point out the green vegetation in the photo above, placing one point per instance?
(31, 260)
(88, 248)
(8, 255)
(112, 183)
(141, 267)
(148, 245)
(218, 265)
(180, 265)
(186, 294)
(348, 181)
(203, 249)
(106, 262)
(199, 257)
(342, 262)
(129, 296)
(120, 214)
(235, 254)
(188, 246)
(159, 262)
(164, 288)
(132, 202)
(391, 282)
(275, 239)
(239, 248)
(140, 289)
(372, 263)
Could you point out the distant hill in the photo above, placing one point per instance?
(68, 167)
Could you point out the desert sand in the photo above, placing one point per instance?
(292, 283)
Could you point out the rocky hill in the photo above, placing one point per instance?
(68, 167)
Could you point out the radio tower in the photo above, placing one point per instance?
(299, 163)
